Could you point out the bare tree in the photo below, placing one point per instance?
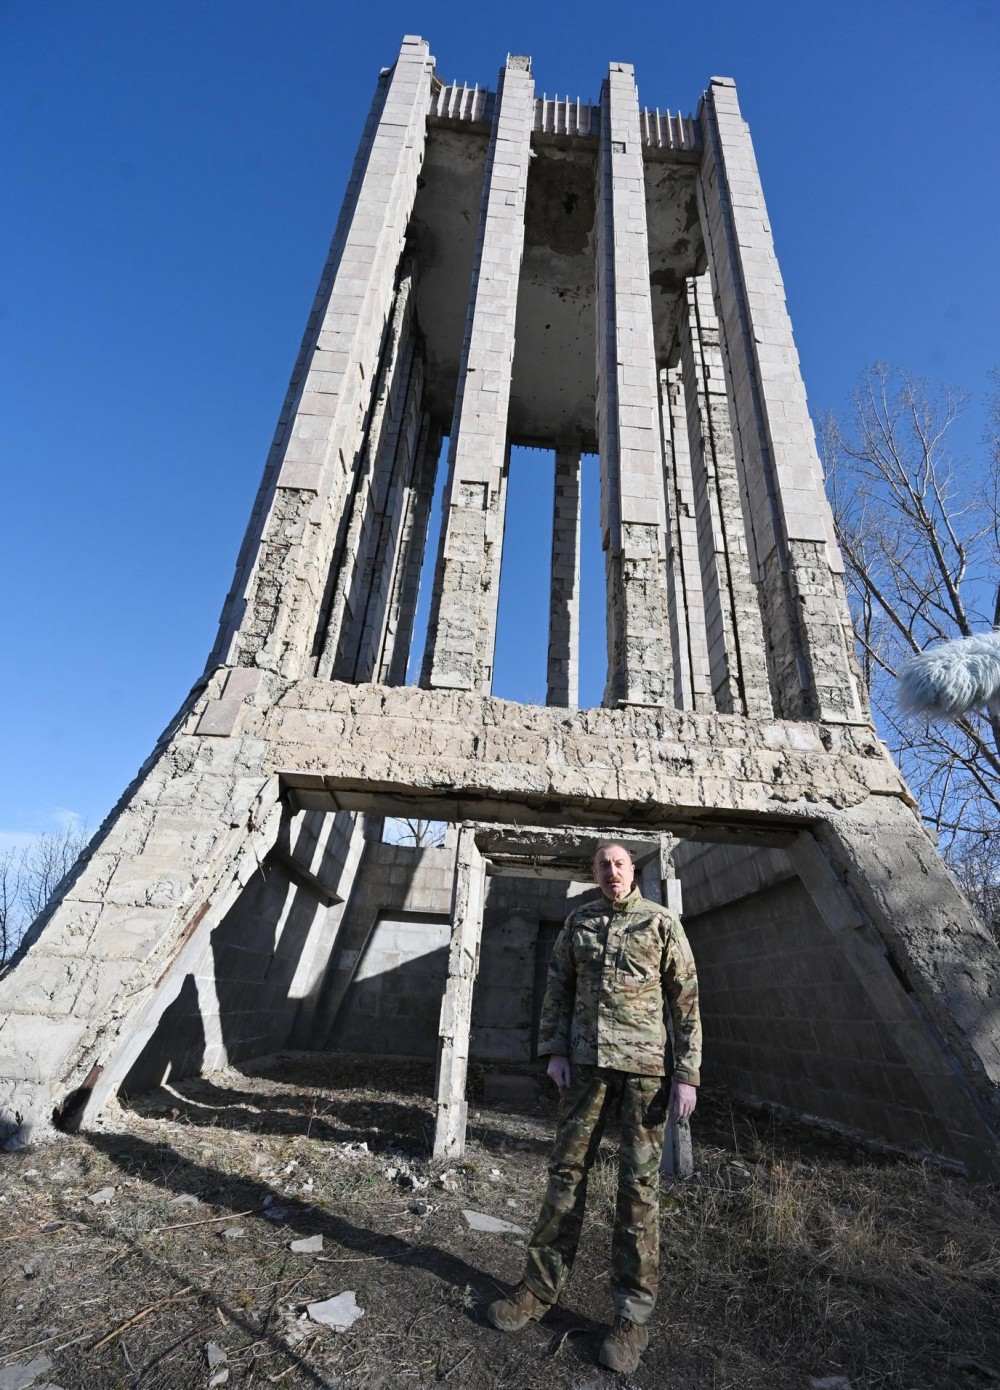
(28, 877)
(412, 830)
(920, 535)
(11, 912)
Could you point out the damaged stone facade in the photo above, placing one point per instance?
(508, 269)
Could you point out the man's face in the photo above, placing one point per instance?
(614, 872)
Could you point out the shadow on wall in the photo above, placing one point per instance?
(394, 1004)
(265, 978)
(177, 1047)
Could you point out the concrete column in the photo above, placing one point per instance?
(735, 631)
(463, 614)
(794, 550)
(633, 520)
(564, 604)
(390, 501)
(658, 883)
(351, 570)
(398, 632)
(271, 615)
(685, 601)
(456, 1007)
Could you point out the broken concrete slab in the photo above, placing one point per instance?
(337, 1313)
(308, 1245)
(495, 1225)
(25, 1374)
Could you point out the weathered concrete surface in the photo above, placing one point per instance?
(457, 753)
(633, 519)
(810, 1004)
(206, 813)
(462, 627)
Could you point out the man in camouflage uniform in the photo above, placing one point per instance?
(618, 961)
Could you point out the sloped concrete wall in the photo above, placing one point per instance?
(821, 1020)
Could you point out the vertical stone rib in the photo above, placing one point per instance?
(271, 615)
(391, 500)
(350, 573)
(563, 685)
(398, 632)
(795, 553)
(735, 631)
(633, 519)
(461, 633)
(685, 601)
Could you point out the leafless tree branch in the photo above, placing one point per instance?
(920, 534)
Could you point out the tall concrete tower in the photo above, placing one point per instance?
(513, 269)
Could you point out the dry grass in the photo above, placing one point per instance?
(789, 1256)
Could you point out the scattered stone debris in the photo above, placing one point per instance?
(186, 1199)
(214, 1355)
(338, 1313)
(297, 1327)
(103, 1198)
(233, 1233)
(24, 1374)
(421, 1208)
(482, 1221)
(51, 1226)
(448, 1181)
(308, 1245)
(739, 1175)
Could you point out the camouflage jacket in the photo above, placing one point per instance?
(613, 969)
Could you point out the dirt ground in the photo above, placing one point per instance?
(790, 1256)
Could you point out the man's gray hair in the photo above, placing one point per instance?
(611, 844)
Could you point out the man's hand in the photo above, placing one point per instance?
(558, 1069)
(683, 1098)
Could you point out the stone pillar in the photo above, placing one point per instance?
(398, 633)
(658, 882)
(456, 1007)
(351, 570)
(685, 601)
(390, 503)
(633, 520)
(459, 653)
(271, 616)
(735, 632)
(564, 604)
(794, 551)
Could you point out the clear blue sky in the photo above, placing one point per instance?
(170, 178)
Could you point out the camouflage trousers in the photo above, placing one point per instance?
(592, 1096)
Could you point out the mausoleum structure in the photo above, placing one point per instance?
(511, 269)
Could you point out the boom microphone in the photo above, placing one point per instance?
(952, 678)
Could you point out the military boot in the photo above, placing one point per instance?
(623, 1346)
(513, 1313)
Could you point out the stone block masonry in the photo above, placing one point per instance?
(632, 506)
(462, 630)
(239, 900)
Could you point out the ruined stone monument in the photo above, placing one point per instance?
(513, 269)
